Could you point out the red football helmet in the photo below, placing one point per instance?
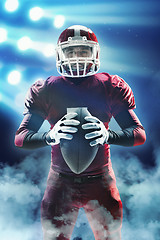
(82, 39)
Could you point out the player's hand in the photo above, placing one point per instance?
(63, 129)
(101, 133)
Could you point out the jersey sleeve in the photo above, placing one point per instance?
(36, 99)
(122, 97)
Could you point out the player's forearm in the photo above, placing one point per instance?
(30, 139)
(28, 135)
(131, 136)
(132, 133)
(35, 140)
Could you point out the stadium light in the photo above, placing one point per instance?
(36, 13)
(59, 21)
(11, 5)
(24, 43)
(14, 77)
(3, 35)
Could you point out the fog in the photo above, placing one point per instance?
(22, 187)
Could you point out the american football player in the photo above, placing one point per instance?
(80, 85)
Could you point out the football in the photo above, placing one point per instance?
(77, 153)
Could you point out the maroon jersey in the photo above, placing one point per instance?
(104, 95)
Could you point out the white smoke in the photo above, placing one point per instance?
(82, 228)
(21, 191)
(101, 214)
(22, 187)
(140, 193)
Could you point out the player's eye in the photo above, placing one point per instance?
(86, 53)
(70, 53)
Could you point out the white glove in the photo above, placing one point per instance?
(60, 131)
(101, 132)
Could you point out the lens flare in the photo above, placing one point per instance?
(36, 13)
(59, 21)
(14, 77)
(11, 5)
(24, 43)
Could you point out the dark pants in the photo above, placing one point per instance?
(63, 197)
